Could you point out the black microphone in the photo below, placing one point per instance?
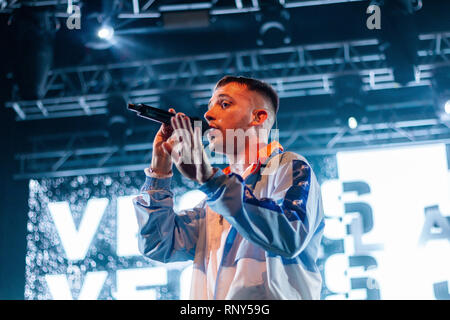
(162, 116)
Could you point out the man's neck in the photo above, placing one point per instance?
(245, 157)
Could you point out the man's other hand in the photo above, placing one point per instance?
(188, 152)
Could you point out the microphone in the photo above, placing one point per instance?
(162, 116)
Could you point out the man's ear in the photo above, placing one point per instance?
(259, 116)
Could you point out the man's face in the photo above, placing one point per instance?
(231, 107)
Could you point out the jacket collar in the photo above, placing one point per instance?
(263, 155)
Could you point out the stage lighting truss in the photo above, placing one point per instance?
(151, 9)
(293, 70)
(135, 9)
(441, 90)
(318, 135)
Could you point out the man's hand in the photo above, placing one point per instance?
(161, 160)
(188, 152)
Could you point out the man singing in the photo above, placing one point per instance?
(257, 234)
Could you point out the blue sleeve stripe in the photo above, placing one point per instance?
(297, 195)
(263, 202)
(294, 204)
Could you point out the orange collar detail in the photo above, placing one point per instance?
(263, 154)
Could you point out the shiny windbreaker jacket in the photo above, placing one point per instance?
(256, 237)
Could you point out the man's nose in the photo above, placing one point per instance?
(209, 116)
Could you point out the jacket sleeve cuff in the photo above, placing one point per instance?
(156, 183)
(213, 184)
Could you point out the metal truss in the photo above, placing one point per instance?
(136, 9)
(294, 71)
(152, 9)
(90, 152)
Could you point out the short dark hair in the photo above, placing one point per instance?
(254, 85)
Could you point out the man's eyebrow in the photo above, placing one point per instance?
(223, 95)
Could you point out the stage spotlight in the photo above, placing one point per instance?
(352, 123)
(99, 38)
(105, 33)
(350, 113)
(399, 37)
(98, 22)
(349, 98)
(274, 25)
(441, 89)
(447, 107)
(273, 34)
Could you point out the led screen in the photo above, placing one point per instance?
(387, 233)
